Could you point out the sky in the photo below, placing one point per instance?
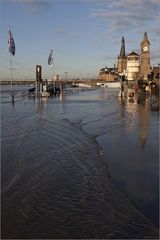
(84, 34)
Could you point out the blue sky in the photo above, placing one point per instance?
(84, 34)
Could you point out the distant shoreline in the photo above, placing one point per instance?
(19, 82)
(28, 82)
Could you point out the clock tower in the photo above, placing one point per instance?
(145, 67)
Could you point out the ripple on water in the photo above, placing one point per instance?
(55, 185)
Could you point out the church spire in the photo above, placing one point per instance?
(122, 51)
(145, 36)
(122, 60)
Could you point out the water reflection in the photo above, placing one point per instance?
(67, 193)
(137, 112)
(144, 113)
(40, 105)
(61, 96)
(133, 156)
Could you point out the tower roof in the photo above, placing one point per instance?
(145, 38)
(133, 54)
(145, 35)
(122, 51)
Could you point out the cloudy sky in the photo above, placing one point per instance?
(85, 34)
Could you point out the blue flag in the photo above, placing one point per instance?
(50, 59)
(11, 43)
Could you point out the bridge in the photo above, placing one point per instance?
(69, 82)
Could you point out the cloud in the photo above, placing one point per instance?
(156, 30)
(109, 58)
(126, 15)
(60, 30)
(34, 6)
(77, 35)
(155, 56)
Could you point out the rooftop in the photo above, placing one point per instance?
(133, 53)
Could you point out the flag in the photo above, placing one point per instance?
(50, 59)
(11, 43)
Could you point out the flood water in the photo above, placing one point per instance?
(81, 165)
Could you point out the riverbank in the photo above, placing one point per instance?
(55, 180)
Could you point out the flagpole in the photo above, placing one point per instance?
(54, 77)
(11, 76)
(11, 79)
(51, 63)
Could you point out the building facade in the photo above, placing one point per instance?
(133, 65)
(132, 70)
(108, 74)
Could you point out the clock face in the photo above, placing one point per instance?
(145, 49)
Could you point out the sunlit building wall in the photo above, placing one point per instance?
(108, 74)
(133, 63)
